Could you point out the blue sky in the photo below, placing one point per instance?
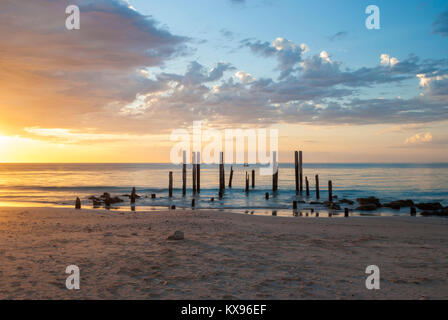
(405, 28)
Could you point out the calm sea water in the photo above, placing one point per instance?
(60, 184)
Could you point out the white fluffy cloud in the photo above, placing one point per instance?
(387, 60)
(419, 138)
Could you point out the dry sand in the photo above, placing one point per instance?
(224, 255)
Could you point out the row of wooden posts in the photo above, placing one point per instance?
(298, 165)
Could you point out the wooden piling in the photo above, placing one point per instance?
(296, 167)
(193, 203)
(184, 173)
(198, 171)
(300, 172)
(294, 205)
(275, 173)
(247, 182)
(266, 195)
(330, 191)
(231, 177)
(346, 212)
(307, 187)
(133, 195)
(170, 185)
(78, 203)
(221, 172)
(194, 172)
(253, 179)
(317, 187)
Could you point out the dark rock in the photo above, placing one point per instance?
(105, 195)
(399, 204)
(429, 206)
(173, 207)
(153, 196)
(332, 205)
(441, 213)
(369, 201)
(96, 201)
(178, 235)
(350, 202)
(367, 207)
(335, 206)
(115, 200)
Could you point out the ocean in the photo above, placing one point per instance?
(59, 184)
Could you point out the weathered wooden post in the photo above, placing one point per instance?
(133, 195)
(193, 203)
(221, 172)
(78, 203)
(170, 185)
(294, 205)
(194, 172)
(330, 191)
(296, 167)
(266, 195)
(247, 182)
(253, 179)
(184, 173)
(300, 172)
(198, 171)
(231, 177)
(307, 187)
(317, 187)
(275, 173)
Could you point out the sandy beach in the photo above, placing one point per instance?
(124, 255)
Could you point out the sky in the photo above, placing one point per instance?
(114, 90)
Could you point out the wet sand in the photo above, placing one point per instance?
(125, 255)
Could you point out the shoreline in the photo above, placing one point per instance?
(307, 211)
(124, 255)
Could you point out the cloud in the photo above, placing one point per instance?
(419, 138)
(244, 77)
(288, 53)
(338, 36)
(387, 60)
(440, 25)
(53, 77)
(320, 95)
(227, 34)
